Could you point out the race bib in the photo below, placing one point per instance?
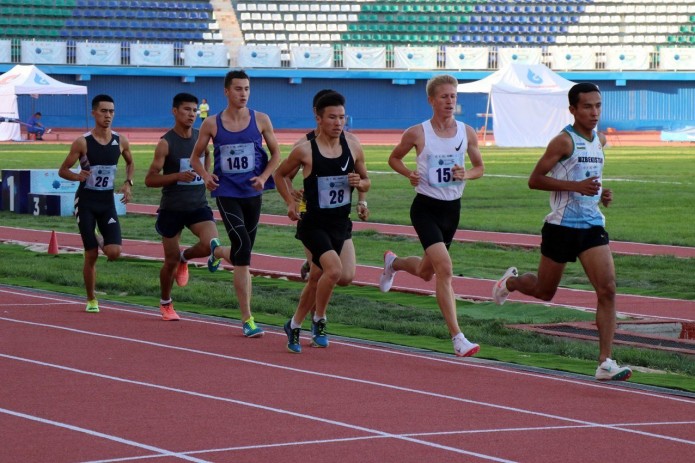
(184, 166)
(333, 191)
(591, 171)
(101, 178)
(237, 159)
(440, 169)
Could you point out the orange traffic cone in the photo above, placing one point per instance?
(53, 244)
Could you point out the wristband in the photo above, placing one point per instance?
(362, 203)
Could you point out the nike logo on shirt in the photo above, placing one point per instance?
(460, 144)
(346, 165)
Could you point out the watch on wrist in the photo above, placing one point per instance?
(129, 182)
(362, 203)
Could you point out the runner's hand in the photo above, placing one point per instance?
(362, 212)
(606, 196)
(211, 182)
(187, 176)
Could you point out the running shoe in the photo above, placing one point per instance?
(386, 280)
(500, 291)
(168, 312)
(610, 371)
(304, 271)
(292, 338)
(251, 330)
(92, 306)
(463, 347)
(213, 262)
(319, 338)
(182, 274)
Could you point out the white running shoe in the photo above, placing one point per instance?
(500, 291)
(463, 347)
(386, 280)
(610, 371)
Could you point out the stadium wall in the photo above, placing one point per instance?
(375, 99)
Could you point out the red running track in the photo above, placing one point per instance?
(366, 275)
(123, 385)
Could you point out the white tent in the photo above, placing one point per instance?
(27, 80)
(529, 104)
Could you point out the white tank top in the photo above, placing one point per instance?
(435, 161)
(571, 209)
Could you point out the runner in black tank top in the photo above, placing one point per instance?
(98, 152)
(332, 168)
(184, 202)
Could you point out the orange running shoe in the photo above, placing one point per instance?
(182, 274)
(168, 312)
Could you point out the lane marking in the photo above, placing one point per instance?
(120, 440)
(469, 363)
(257, 406)
(324, 375)
(352, 439)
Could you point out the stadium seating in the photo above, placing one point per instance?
(288, 23)
(99, 20)
(468, 22)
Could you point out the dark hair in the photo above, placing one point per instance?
(329, 99)
(583, 87)
(319, 94)
(99, 98)
(182, 98)
(234, 75)
(37, 113)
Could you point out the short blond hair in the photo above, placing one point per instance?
(437, 81)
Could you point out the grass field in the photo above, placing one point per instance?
(653, 195)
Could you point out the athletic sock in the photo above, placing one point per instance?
(182, 258)
(316, 318)
(294, 325)
(163, 302)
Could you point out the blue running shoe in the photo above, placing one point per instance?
(213, 262)
(251, 330)
(319, 338)
(293, 338)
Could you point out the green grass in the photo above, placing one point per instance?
(653, 191)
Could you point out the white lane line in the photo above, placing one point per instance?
(352, 439)
(341, 378)
(470, 363)
(120, 440)
(259, 407)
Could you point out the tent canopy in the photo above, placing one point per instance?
(529, 103)
(27, 80)
(30, 80)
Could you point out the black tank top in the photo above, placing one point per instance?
(181, 196)
(326, 190)
(101, 161)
